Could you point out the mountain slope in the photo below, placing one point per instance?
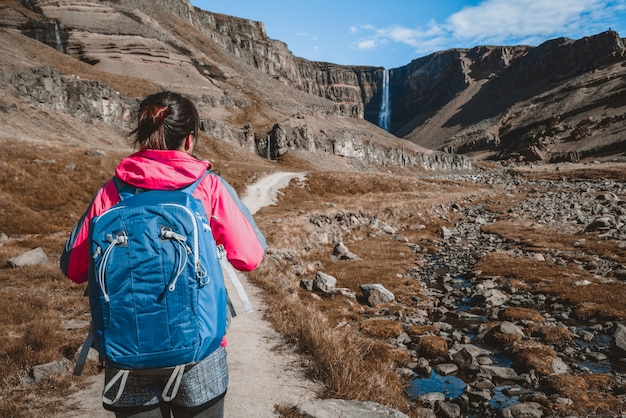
(136, 47)
(559, 101)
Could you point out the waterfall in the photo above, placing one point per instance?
(269, 150)
(384, 115)
(57, 37)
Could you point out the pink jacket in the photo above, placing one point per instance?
(231, 222)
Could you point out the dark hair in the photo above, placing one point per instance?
(164, 121)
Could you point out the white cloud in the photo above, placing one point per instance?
(499, 22)
(367, 44)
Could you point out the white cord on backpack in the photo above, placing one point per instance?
(120, 374)
(119, 239)
(175, 378)
(182, 248)
(245, 300)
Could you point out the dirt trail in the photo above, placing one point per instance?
(260, 375)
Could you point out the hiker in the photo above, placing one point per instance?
(166, 134)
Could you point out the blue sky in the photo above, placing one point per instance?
(391, 33)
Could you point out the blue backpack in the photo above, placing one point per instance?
(156, 287)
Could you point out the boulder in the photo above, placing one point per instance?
(332, 408)
(376, 294)
(36, 257)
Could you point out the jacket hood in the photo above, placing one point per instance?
(162, 170)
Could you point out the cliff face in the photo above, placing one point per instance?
(94, 60)
(353, 87)
(486, 101)
(437, 99)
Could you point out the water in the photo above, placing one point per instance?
(451, 386)
(600, 343)
(384, 115)
(501, 399)
(57, 37)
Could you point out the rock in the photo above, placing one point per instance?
(559, 366)
(376, 294)
(604, 223)
(388, 229)
(44, 370)
(619, 336)
(505, 373)
(75, 324)
(324, 282)
(523, 410)
(424, 412)
(484, 384)
(620, 273)
(342, 253)
(538, 257)
(610, 197)
(423, 367)
(464, 359)
(473, 350)
(586, 336)
(481, 395)
(403, 338)
(489, 297)
(307, 284)
(445, 232)
(431, 398)
(332, 408)
(596, 356)
(448, 409)
(405, 373)
(507, 327)
(445, 369)
(36, 257)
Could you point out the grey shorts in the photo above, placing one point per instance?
(205, 381)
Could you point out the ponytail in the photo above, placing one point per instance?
(164, 121)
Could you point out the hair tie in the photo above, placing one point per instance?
(160, 113)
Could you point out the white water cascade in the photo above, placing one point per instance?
(57, 37)
(384, 115)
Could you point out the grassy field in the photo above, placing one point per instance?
(344, 344)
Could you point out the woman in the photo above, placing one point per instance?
(166, 135)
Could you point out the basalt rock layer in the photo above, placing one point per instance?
(559, 101)
(486, 101)
(91, 62)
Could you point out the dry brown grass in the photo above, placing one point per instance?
(383, 329)
(433, 347)
(603, 301)
(37, 301)
(344, 342)
(590, 393)
(550, 334)
(534, 355)
(513, 313)
(574, 172)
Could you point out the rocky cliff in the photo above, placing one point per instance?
(107, 55)
(486, 102)
(454, 99)
(352, 86)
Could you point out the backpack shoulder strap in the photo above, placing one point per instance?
(192, 187)
(126, 190)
